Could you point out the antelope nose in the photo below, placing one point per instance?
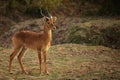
(54, 27)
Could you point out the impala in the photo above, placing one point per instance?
(39, 42)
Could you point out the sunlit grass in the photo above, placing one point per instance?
(65, 62)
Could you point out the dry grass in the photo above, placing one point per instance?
(66, 62)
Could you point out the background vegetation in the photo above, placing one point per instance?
(83, 7)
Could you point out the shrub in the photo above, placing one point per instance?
(111, 36)
(33, 6)
(108, 36)
(83, 35)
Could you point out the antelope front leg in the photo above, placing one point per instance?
(45, 64)
(40, 60)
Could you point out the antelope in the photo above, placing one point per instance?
(38, 41)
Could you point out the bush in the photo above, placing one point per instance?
(109, 36)
(33, 6)
(84, 35)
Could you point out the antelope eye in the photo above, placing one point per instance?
(48, 23)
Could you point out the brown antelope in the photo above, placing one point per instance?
(38, 41)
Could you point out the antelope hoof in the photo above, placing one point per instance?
(47, 72)
(25, 72)
(11, 72)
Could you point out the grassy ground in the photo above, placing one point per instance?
(66, 62)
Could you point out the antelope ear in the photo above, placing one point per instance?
(54, 19)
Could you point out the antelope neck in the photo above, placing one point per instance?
(47, 33)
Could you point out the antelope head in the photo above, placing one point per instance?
(49, 20)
